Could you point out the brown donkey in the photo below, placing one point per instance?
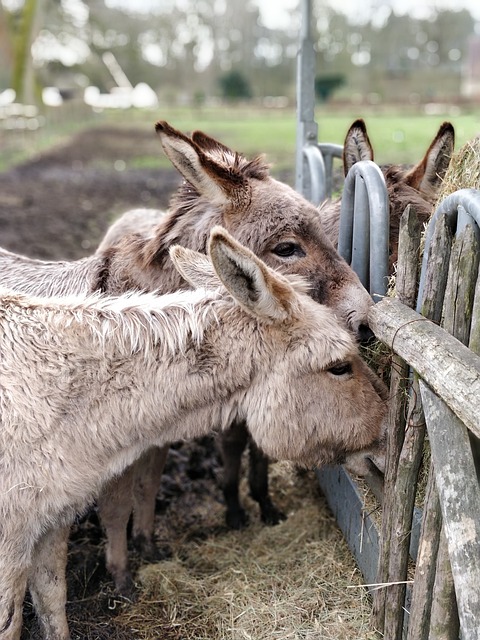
(417, 185)
(276, 223)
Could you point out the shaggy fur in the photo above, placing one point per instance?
(83, 395)
(418, 185)
(280, 226)
(52, 278)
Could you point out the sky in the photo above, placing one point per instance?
(275, 13)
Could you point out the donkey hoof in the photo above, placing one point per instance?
(271, 515)
(237, 519)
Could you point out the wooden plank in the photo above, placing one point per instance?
(474, 340)
(460, 290)
(450, 368)
(408, 257)
(403, 502)
(435, 276)
(456, 319)
(395, 434)
(406, 288)
(399, 488)
(425, 569)
(444, 622)
(460, 503)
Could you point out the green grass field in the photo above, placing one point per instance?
(397, 137)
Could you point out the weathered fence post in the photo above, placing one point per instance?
(456, 319)
(444, 623)
(425, 569)
(435, 279)
(460, 502)
(406, 290)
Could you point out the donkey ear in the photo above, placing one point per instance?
(357, 145)
(209, 178)
(260, 290)
(428, 174)
(194, 267)
(209, 144)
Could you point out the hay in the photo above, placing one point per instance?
(463, 172)
(285, 582)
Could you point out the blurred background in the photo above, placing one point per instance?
(67, 62)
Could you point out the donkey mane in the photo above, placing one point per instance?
(137, 320)
(54, 278)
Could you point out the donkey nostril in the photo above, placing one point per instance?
(365, 335)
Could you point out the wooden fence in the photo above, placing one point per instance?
(434, 410)
(439, 401)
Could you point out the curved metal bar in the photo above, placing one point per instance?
(316, 169)
(375, 252)
(460, 208)
(361, 232)
(329, 151)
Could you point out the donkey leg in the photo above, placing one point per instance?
(48, 585)
(13, 584)
(258, 481)
(232, 443)
(149, 470)
(115, 504)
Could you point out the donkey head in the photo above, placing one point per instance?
(312, 399)
(418, 185)
(276, 223)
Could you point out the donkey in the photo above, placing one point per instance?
(418, 185)
(275, 222)
(88, 383)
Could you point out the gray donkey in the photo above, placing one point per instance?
(275, 222)
(88, 383)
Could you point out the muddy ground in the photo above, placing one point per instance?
(57, 206)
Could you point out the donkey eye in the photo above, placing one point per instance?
(288, 249)
(341, 369)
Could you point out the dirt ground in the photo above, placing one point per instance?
(57, 206)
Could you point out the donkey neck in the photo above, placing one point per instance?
(143, 262)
